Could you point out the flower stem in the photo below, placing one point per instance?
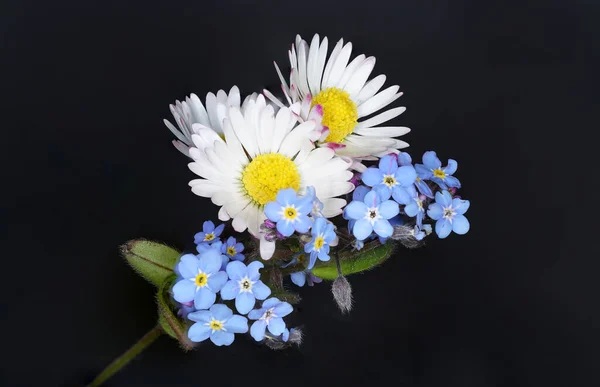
(126, 357)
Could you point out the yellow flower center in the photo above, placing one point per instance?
(216, 325)
(340, 113)
(439, 173)
(319, 242)
(209, 237)
(201, 280)
(231, 251)
(389, 180)
(290, 213)
(267, 174)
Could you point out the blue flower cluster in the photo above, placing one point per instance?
(376, 205)
(218, 271)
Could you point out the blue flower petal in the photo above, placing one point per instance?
(460, 224)
(237, 324)
(257, 330)
(451, 168)
(244, 302)
(431, 161)
(423, 172)
(324, 254)
(221, 312)
(238, 247)
(219, 230)
(276, 326)
(360, 192)
(435, 211)
(404, 159)
(199, 237)
(204, 298)
(230, 290)
(303, 224)
(256, 314)
(383, 192)
(184, 291)
(210, 261)
(208, 227)
(220, 338)
(273, 211)
(460, 206)
(383, 228)
(318, 226)
(216, 281)
(355, 210)
(362, 229)
(313, 260)
(201, 316)
(253, 270)
(423, 188)
(298, 278)
(412, 209)
(285, 336)
(401, 195)
(271, 302)
(444, 198)
(285, 228)
(372, 176)
(389, 209)
(388, 164)
(236, 270)
(287, 196)
(198, 332)
(443, 228)
(260, 290)
(406, 175)
(282, 309)
(188, 266)
(452, 181)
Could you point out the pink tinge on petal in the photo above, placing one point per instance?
(189, 303)
(324, 133)
(334, 145)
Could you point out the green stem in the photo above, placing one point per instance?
(126, 357)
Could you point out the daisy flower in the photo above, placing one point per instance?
(192, 117)
(262, 153)
(335, 93)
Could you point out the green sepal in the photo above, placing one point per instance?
(168, 321)
(152, 260)
(371, 255)
(284, 295)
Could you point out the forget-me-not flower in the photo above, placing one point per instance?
(290, 212)
(302, 277)
(322, 237)
(316, 206)
(215, 246)
(233, 249)
(219, 323)
(209, 233)
(431, 169)
(372, 214)
(270, 316)
(389, 177)
(244, 285)
(449, 214)
(201, 279)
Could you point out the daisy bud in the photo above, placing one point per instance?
(342, 293)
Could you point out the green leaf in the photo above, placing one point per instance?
(371, 255)
(152, 260)
(169, 322)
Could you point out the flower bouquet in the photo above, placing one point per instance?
(308, 189)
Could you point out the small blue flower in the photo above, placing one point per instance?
(413, 203)
(316, 206)
(421, 232)
(431, 169)
(209, 233)
(244, 285)
(289, 212)
(201, 279)
(302, 277)
(215, 246)
(322, 236)
(371, 215)
(270, 315)
(388, 179)
(449, 214)
(233, 250)
(219, 323)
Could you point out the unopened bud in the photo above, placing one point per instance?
(355, 179)
(452, 190)
(342, 293)
(406, 235)
(269, 224)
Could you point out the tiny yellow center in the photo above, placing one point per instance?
(290, 213)
(340, 113)
(246, 284)
(209, 237)
(439, 173)
(267, 174)
(201, 280)
(319, 242)
(216, 325)
(231, 251)
(389, 180)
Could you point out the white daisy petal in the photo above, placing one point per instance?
(378, 101)
(350, 69)
(383, 131)
(369, 90)
(356, 82)
(223, 215)
(242, 131)
(292, 144)
(332, 58)
(312, 71)
(381, 117)
(337, 70)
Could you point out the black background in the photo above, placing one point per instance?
(506, 88)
